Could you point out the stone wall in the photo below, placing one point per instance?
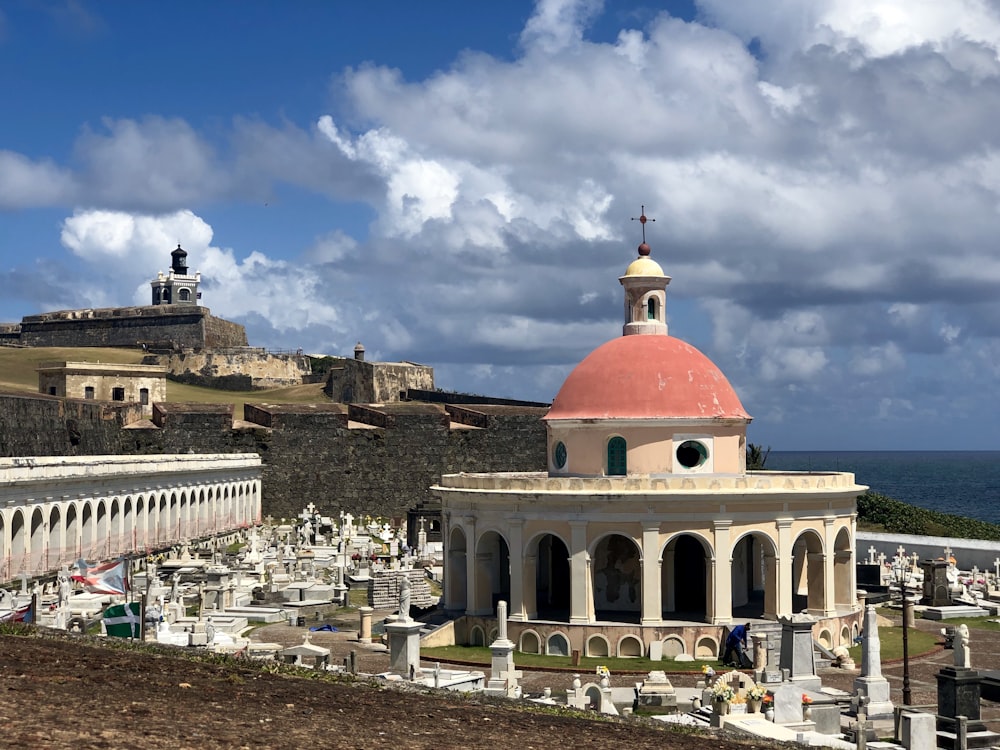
(157, 326)
(241, 368)
(357, 381)
(359, 459)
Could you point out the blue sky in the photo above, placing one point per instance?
(452, 183)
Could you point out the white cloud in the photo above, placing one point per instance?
(24, 183)
(831, 203)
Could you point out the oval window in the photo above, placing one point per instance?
(559, 455)
(691, 454)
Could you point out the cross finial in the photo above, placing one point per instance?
(642, 220)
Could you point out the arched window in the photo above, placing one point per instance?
(184, 295)
(651, 308)
(616, 457)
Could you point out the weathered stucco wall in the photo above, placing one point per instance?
(326, 454)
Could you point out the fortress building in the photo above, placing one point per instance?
(177, 287)
(141, 384)
(647, 531)
(173, 321)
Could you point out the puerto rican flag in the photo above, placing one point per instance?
(21, 614)
(107, 578)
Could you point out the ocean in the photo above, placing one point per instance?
(963, 483)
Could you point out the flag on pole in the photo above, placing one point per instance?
(107, 578)
(122, 620)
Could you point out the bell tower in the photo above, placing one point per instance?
(177, 286)
(645, 292)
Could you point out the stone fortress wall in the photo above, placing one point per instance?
(238, 369)
(159, 326)
(359, 459)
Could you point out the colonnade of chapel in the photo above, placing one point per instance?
(584, 571)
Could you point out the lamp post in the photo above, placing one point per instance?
(901, 575)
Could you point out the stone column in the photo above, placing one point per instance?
(580, 608)
(515, 550)
(365, 633)
(652, 610)
(829, 568)
(529, 595)
(722, 574)
(783, 566)
(816, 568)
(470, 565)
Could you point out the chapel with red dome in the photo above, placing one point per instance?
(647, 534)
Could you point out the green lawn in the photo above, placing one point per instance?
(920, 642)
(482, 655)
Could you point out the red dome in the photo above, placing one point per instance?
(646, 377)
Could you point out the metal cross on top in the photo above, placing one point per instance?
(642, 220)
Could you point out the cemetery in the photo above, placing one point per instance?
(292, 578)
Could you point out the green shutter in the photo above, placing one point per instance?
(617, 465)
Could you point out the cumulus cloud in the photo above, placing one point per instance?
(25, 183)
(825, 178)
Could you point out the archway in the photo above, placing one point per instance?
(57, 538)
(72, 536)
(843, 568)
(455, 580)
(808, 579)
(550, 558)
(753, 578)
(18, 542)
(685, 578)
(39, 541)
(617, 579)
(492, 572)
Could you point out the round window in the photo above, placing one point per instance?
(559, 455)
(691, 454)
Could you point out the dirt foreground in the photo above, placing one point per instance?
(73, 692)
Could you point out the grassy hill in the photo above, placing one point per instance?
(17, 373)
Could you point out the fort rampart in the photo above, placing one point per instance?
(359, 459)
(156, 326)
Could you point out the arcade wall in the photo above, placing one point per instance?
(352, 458)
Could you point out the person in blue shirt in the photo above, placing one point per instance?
(736, 644)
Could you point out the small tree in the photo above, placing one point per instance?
(757, 456)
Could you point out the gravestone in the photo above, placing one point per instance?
(404, 647)
(655, 694)
(917, 731)
(503, 674)
(869, 575)
(959, 720)
(871, 684)
(797, 659)
(787, 704)
(935, 592)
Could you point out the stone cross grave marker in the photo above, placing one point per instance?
(947, 553)
(872, 552)
(916, 559)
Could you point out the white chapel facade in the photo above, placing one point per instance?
(647, 525)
